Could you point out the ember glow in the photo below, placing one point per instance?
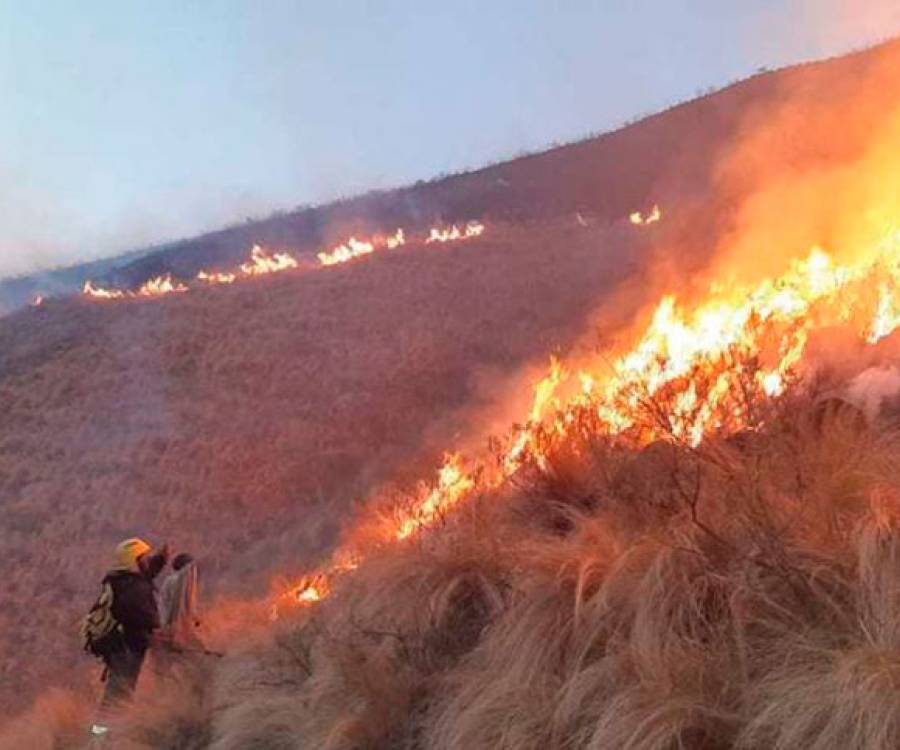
(638, 219)
(694, 372)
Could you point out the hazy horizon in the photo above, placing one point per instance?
(132, 126)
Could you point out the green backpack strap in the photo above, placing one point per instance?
(100, 625)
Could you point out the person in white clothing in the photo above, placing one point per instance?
(178, 635)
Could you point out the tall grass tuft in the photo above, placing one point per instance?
(744, 594)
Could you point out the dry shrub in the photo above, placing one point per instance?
(267, 722)
(836, 681)
(173, 712)
(748, 598)
(392, 631)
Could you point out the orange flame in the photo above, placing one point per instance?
(97, 292)
(396, 240)
(157, 287)
(262, 263)
(638, 219)
(887, 315)
(543, 395)
(161, 285)
(749, 340)
(452, 233)
(354, 248)
(453, 484)
(216, 278)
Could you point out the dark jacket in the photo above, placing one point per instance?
(134, 603)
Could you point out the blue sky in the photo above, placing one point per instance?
(125, 123)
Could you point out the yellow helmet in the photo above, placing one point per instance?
(129, 552)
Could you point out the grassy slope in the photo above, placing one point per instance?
(671, 157)
(239, 422)
(742, 595)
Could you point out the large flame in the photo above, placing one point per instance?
(691, 374)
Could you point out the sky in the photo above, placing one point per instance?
(126, 123)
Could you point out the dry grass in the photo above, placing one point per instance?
(607, 604)
(744, 594)
(760, 610)
(241, 423)
(58, 721)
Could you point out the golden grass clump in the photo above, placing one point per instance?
(750, 598)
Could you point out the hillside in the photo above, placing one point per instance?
(243, 421)
(673, 156)
(18, 291)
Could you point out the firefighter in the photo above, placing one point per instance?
(122, 622)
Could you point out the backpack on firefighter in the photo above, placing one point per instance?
(101, 632)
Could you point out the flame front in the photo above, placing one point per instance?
(691, 374)
(453, 484)
(97, 292)
(353, 248)
(156, 287)
(262, 263)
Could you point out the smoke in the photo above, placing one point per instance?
(41, 233)
(839, 25)
(812, 170)
(31, 223)
(872, 387)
